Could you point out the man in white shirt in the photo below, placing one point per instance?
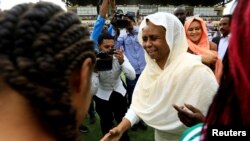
(110, 99)
(222, 41)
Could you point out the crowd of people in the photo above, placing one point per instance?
(165, 73)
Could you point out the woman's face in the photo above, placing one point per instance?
(194, 32)
(155, 44)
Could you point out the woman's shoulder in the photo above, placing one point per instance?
(191, 58)
(186, 63)
(191, 63)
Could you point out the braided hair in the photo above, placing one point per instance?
(40, 46)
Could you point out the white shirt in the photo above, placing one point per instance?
(105, 82)
(223, 45)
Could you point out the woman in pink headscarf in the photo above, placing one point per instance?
(198, 43)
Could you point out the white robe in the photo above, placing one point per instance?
(184, 80)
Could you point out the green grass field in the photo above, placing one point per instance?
(95, 133)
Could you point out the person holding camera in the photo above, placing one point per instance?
(99, 27)
(128, 42)
(107, 86)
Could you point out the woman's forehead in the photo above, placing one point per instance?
(154, 28)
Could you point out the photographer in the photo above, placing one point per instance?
(135, 53)
(97, 30)
(101, 19)
(111, 103)
(99, 27)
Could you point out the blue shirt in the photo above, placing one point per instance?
(133, 50)
(97, 30)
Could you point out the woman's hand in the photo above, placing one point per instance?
(116, 133)
(113, 135)
(189, 118)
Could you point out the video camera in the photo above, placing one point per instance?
(104, 60)
(118, 20)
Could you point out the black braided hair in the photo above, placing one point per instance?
(40, 46)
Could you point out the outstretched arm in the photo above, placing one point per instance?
(104, 8)
(100, 22)
(116, 133)
(113, 7)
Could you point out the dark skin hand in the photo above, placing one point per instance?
(119, 55)
(189, 115)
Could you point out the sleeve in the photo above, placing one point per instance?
(119, 42)
(132, 117)
(128, 69)
(95, 83)
(98, 27)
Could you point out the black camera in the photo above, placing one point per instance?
(118, 20)
(104, 60)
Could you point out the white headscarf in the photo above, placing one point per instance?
(175, 34)
(184, 80)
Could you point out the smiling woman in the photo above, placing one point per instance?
(198, 44)
(194, 31)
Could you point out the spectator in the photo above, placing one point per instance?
(110, 94)
(199, 44)
(128, 42)
(222, 41)
(181, 13)
(99, 25)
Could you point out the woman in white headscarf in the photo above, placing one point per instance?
(171, 76)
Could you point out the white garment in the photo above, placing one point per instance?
(223, 45)
(105, 82)
(184, 80)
